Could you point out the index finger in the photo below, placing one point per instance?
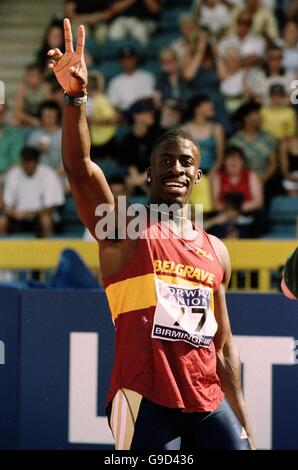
(67, 35)
(81, 40)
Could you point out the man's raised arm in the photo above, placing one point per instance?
(88, 184)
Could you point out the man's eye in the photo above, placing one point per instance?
(166, 161)
(186, 162)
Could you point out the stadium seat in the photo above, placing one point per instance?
(109, 51)
(283, 217)
(109, 69)
(71, 224)
(159, 41)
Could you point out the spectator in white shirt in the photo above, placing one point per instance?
(242, 38)
(132, 84)
(213, 15)
(290, 46)
(32, 191)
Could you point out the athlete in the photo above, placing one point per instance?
(176, 378)
(289, 283)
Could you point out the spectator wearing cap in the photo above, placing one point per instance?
(138, 144)
(289, 283)
(263, 20)
(258, 146)
(132, 84)
(32, 191)
(278, 118)
(135, 18)
(276, 74)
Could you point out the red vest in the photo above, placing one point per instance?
(162, 305)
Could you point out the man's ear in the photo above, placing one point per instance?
(149, 174)
(198, 176)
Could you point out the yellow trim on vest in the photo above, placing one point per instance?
(135, 293)
(138, 293)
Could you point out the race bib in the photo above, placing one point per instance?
(184, 314)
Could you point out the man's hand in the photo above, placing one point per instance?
(70, 68)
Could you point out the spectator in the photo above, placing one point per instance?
(31, 193)
(53, 37)
(186, 43)
(279, 118)
(95, 14)
(258, 146)
(136, 18)
(138, 144)
(132, 84)
(102, 119)
(208, 134)
(232, 77)
(289, 165)
(236, 177)
(31, 93)
(171, 114)
(170, 84)
(11, 143)
(263, 20)
(243, 38)
(276, 74)
(290, 46)
(47, 139)
(213, 15)
(201, 70)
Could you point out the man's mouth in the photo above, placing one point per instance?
(174, 186)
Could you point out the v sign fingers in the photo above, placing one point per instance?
(81, 41)
(68, 36)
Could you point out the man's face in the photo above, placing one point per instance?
(49, 117)
(173, 171)
(29, 167)
(233, 164)
(244, 23)
(254, 118)
(129, 63)
(146, 118)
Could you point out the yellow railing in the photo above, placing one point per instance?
(261, 256)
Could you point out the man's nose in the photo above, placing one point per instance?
(177, 168)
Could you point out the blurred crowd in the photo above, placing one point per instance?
(224, 70)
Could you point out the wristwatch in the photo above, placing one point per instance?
(75, 101)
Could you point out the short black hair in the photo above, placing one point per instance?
(196, 100)
(172, 135)
(30, 154)
(51, 104)
(232, 149)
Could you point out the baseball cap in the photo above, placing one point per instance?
(127, 51)
(277, 89)
(289, 283)
(141, 106)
